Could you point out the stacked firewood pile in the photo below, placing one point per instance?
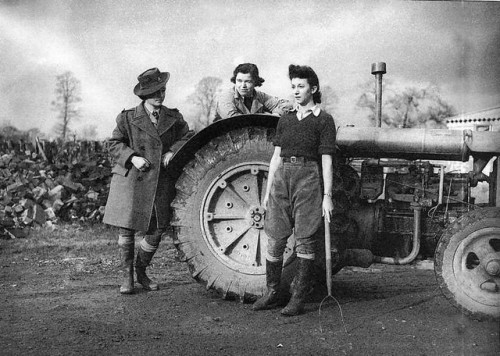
(48, 183)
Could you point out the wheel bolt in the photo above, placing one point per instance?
(493, 267)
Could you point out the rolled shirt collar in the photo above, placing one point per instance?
(315, 110)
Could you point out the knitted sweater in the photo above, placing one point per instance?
(310, 137)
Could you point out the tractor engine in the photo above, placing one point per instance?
(376, 210)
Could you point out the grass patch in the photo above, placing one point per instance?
(66, 241)
(77, 251)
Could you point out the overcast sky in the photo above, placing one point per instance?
(106, 44)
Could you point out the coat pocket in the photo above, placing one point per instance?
(117, 169)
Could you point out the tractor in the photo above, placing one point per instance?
(394, 201)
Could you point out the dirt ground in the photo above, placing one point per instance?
(60, 297)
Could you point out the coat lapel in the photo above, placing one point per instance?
(142, 121)
(241, 106)
(256, 105)
(166, 120)
(240, 103)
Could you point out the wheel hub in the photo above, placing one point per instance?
(232, 218)
(477, 266)
(493, 267)
(256, 217)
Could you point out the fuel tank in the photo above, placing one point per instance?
(453, 145)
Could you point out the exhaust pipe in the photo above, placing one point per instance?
(378, 70)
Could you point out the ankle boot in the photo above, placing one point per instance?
(143, 260)
(300, 288)
(273, 278)
(127, 265)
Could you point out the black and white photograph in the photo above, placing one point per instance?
(260, 177)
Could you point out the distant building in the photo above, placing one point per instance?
(484, 120)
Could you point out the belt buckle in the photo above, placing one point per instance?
(293, 159)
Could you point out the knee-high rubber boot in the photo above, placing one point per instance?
(143, 260)
(300, 288)
(127, 265)
(273, 278)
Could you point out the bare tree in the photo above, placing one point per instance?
(67, 92)
(205, 100)
(409, 107)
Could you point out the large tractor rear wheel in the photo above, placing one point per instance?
(218, 213)
(467, 263)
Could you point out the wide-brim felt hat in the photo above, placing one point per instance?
(151, 81)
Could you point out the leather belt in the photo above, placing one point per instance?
(296, 159)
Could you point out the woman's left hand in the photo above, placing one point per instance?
(327, 207)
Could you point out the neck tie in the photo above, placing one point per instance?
(156, 117)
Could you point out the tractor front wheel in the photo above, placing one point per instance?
(467, 263)
(219, 217)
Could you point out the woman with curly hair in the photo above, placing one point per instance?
(305, 139)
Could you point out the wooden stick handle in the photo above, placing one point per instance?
(328, 256)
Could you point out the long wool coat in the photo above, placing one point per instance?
(133, 193)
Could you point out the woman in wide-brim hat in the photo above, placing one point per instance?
(150, 82)
(144, 140)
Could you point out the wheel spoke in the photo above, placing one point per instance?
(238, 236)
(216, 216)
(474, 276)
(490, 286)
(254, 249)
(482, 250)
(233, 193)
(255, 189)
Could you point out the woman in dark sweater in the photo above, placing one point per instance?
(294, 200)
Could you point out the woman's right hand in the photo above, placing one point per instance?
(140, 163)
(264, 201)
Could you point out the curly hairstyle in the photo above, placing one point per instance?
(306, 72)
(248, 68)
